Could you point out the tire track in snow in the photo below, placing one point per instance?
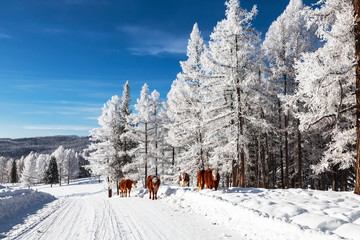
(94, 216)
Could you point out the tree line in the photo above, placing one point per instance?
(277, 112)
(60, 166)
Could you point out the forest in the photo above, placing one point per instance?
(272, 111)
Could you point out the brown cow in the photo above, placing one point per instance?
(126, 184)
(184, 179)
(209, 178)
(153, 184)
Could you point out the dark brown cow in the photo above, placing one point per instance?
(209, 178)
(184, 179)
(153, 184)
(126, 184)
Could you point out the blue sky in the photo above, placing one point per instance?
(61, 60)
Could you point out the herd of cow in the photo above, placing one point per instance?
(206, 178)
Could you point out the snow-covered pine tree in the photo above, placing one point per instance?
(326, 85)
(42, 163)
(60, 156)
(146, 126)
(71, 164)
(233, 71)
(157, 131)
(102, 151)
(9, 165)
(19, 167)
(29, 173)
(13, 174)
(185, 109)
(285, 40)
(125, 144)
(52, 174)
(3, 172)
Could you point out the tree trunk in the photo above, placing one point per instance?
(117, 187)
(334, 176)
(281, 152)
(234, 173)
(227, 180)
(263, 167)
(299, 155)
(357, 54)
(267, 162)
(286, 143)
(344, 180)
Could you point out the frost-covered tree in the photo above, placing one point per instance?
(104, 140)
(233, 72)
(284, 42)
(9, 165)
(157, 130)
(29, 174)
(125, 144)
(19, 167)
(60, 156)
(41, 166)
(145, 131)
(3, 172)
(71, 164)
(185, 108)
(110, 148)
(14, 175)
(52, 174)
(326, 84)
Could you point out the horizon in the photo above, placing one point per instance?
(63, 60)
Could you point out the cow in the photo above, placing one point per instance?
(126, 184)
(184, 179)
(153, 184)
(209, 178)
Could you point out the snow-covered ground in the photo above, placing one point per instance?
(83, 211)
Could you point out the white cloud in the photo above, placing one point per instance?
(153, 41)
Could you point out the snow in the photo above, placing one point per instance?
(83, 211)
(15, 201)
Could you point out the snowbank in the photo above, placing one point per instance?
(13, 202)
(327, 213)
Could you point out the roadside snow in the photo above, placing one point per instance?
(180, 213)
(307, 211)
(15, 201)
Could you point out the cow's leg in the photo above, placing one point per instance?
(129, 192)
(149, 194)
(156, 195)
(125, 192)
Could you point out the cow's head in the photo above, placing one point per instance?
(133, 185)
(214, 173)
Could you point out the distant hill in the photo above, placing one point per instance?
(15, 148)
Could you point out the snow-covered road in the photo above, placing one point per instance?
(83, 211)
(91, 215)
